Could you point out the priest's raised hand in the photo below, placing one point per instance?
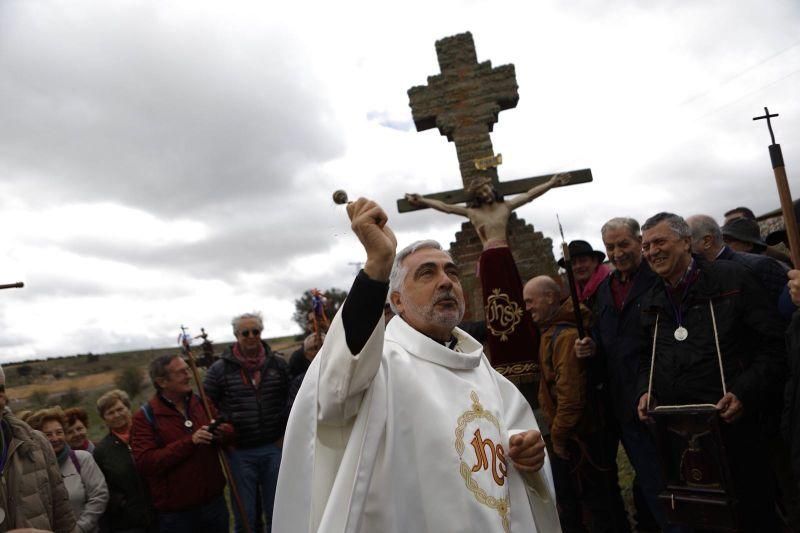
(368, 222)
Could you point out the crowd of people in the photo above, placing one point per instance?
(157, 469)
(685, 313)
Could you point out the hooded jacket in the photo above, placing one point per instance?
(564, 384)
(170, 462)
(32, 491)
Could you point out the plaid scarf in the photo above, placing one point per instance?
(251, 366)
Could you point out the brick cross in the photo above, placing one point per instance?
(463, 102)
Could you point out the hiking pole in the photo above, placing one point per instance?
(573, 293)
(226, 466)
(17, 285)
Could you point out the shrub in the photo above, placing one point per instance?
(39, 397)
(129, 380)
(72, 398)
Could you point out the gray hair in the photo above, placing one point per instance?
(626, 223)
(158, 368)
(702, 225)
(399, 271)
(676, 223)
(108, 399)
(255, 315)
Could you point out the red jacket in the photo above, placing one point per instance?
(180, 474)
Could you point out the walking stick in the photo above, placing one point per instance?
(573, 292)
(226, 467)
(789, 221)
(17, 285)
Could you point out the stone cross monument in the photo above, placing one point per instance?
(463, 103)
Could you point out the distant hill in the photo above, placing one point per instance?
(91, 372)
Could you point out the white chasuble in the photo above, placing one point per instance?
(407, 436)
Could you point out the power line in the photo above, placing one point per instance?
(739, 74)
(723, 106)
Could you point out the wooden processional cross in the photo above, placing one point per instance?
(463, 103)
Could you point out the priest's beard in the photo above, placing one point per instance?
(449, 317)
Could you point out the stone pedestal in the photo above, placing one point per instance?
(532, 252)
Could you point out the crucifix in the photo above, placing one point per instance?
(463, 102)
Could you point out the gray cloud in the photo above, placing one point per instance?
(250, 236)
(153, 113)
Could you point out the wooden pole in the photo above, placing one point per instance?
(573, 291)
(226, 466)
(785, 195)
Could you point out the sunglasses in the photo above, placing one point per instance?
(246, 332)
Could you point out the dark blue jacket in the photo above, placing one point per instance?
(620, 340)
(258, 414)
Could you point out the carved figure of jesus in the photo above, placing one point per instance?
(488, 211)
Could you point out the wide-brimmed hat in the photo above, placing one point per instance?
(779, 235)
(579, 248)
(745, 230)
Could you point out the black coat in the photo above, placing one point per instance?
(791, 420)
(621, 341)
(771, 272)
(750, 337)
(258, 414)
(129, 504)
(298, 363)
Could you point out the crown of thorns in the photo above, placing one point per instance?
(477, 183)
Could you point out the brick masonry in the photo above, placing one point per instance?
(463, 102)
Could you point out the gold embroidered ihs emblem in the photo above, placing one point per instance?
(502, 314)
(475, 458)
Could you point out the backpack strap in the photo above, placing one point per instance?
(74, 458)
(147, 410)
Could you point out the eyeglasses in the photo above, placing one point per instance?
(246, 332)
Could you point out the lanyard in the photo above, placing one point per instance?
(687, 279)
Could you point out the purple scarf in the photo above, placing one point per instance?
(251, 365)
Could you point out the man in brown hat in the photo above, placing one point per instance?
(743, 235)
(588, 268)
(709, 240)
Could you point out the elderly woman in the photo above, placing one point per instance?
(129, 509)
(77, 429)
(88, 493)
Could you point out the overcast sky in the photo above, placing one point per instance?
(168, 163)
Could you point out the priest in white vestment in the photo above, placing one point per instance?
(407, 428)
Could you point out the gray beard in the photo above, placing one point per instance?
(433, 316)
